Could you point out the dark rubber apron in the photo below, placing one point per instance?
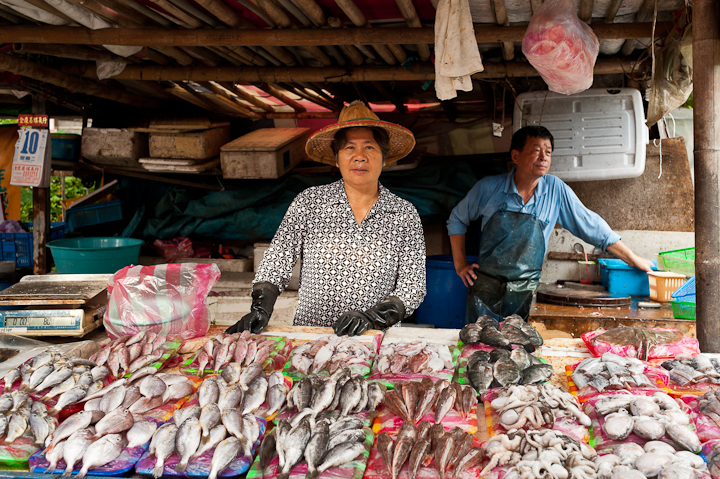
(510, 256)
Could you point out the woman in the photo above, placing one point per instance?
(362, 247)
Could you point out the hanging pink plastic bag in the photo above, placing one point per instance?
(167, 299)
(562, 48)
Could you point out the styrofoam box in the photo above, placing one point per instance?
(599, 134)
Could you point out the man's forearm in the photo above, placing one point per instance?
(457, 243)
(621, 250)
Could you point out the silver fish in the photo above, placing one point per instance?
(255, 395)
(276, 378)
(6, 402)
(209, 418)
(177, 391)
(61, 388)
(343, 424)
(351, 435)
(92, 405)
(54, 378)
(251, 430)
(113, 385)
(79, 420)
(231, 373)
(114, 422)
(351, 394)
(71, 397)
(16, 426)
(101, 452)
(376, 394)
(42, 359)
(231, 397)
(184, 414)
(170, 379)
(187, 442)
(249, 375)
(276, 398)
(54, 456)
(10, 378)
(316, 448)
(99, 373)
(281, 431)
(323, 395)
(40, 428)
(164, 441)
(75, 448)
(140, 433)
(19, 398)
(340, 455)
(94, 388)
(208, 392)
(132, 394)
(158, 434)
(26, 372)
(3, 424)
(141, 373)
(113, 399)
(39, 375)
(152, 386)
(217, 434)
(293, 447)
(267, 452)
(225, 454)
(233, 422)
(144, 405)
(85, 379)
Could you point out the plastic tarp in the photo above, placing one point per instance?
(255, 211)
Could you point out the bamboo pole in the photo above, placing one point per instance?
(236, 103)
(642, 15)
(154, 56)
(318, 89)
(192, 96)
(585, 10)
(50, 9)
(228, 55)
(111, 16)
(76, 52)
(188, 20)
(411, 17)
(274, 91)
(178, 55)
(313, 12)
(252, 99)
(148, 12)
(289, 37)
(350, 50)
(197, 13)
(420, 72)
(133, 14)
(33, 70)
(706, 119)
(500, 13)
(358, 19)
(612, 10)
(307, 96)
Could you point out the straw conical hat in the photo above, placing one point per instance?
(319, 146)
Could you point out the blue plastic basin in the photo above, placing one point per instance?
(619, 278)
(94, 255)
(444, 304)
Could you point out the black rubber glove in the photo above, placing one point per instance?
(381, 316)
(264, 295)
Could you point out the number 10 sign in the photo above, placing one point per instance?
(31, 163)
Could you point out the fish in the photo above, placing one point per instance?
(341, 454)
(142, 362)
(217, 434)
(140, 433)
(249, 374)
(276, 398)
(350, 396)
(6, 402)
(136, 350)
(39, 375)
(469, 400)
(407, 431)
(101, 452)
(124, 359)
(506, 372)
(386, 446)
(220, 357)
(85, 379)
(132, 394)
(141, 373)
(323, 396)
(209, 418)
(26, 372)
(164, 446)
(462, 446)
(255, 395)
(281, 431)
(376, 395)
(203, 360)
(470, 459)
(19, 399)
(177, 391)
(114, 422)
(61, 388)
(316, 449)
(231, 373)
(426, 402)
(102, 356)
(350, 435)
(443, 454)
(225, 453)
(3, 424)
(232, 420)
(437, 431)
(16, 426)
(75, 448)
(303, 394)
(41, 359)
(54, 456)
(420, 450)
(39, 426)
(144, 405)
(152, 386)
(250, 354)
(444, 403)
(521, 358)
(79, 420)
(491, 336)
(135, 338)
(187, 441)
(293, 446)
(400, 456)
(208, 392)
(10, 377)
(241, 349)
(231, 397)
(396, 405)
(74, 395)
(267, 452)
(537, 373)
(113, 385)
(410, 395)
(343, 424)
(113, 399)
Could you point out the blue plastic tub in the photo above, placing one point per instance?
(444, 305)
(88, 215)
(619, 278)
(94, 255)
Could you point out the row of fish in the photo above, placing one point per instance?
(537, 406)
(500, 368)
(691, 370)
(611, 371)
(512, 331)
(654, 459)
(417, 446)
(349, 393)
(710, 405)
(412, 400)
(21, 414)
(222, 429)
(329, 353)
(418, 357)
(127, 354)
(322, 445)
(649, 417)
(239, 348)
(232, 390)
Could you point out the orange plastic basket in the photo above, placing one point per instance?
(663, 284)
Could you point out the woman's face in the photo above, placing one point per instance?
(360, 160)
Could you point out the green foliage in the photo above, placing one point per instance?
(73, 189)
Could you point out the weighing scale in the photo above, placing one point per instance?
(54, 305)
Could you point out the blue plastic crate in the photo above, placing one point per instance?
(94, 214)
(18, 247)
(686, 292)
(619, 278)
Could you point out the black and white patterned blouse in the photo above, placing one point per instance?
(346, 266)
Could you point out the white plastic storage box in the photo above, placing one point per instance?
(113, 146)
(599, 134)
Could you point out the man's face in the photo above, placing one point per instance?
(534, 159)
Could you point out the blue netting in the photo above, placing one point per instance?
(686, 292)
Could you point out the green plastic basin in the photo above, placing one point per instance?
(94, 255)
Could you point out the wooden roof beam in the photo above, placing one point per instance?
(75, 52)
(500, 14)
(377, 37)
(274, 91)
(358, 19)
(413, 21)
(252, 99)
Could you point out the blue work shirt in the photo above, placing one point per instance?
(556, 203)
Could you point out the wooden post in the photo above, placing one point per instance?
(706, 118)
(41, 211)
(500, 14)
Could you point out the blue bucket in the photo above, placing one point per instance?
(444, 305)
(94, 255)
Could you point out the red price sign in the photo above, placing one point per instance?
(41, 121)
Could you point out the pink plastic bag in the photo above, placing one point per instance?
(562, 48)
(683, 345)
(167, 299)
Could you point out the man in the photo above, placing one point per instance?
(518, 211)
